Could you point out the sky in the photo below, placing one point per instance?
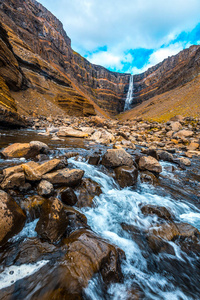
(128, 36)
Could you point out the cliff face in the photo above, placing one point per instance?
(173, 72)
(48, 76)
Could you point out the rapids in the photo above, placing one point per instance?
(174, 275)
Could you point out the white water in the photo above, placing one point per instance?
(115, 206)
(129, 97)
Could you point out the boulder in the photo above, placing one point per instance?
(160, 211)
(68, 196)
(126, 176)
(148, 177)
(53, 221)
(94, 159)
(65, 177)
(183, 160)
(45, 188)
(184, 134)
(150, 163)
(103, 137)
(176, 126)
(165, 156)
(35, 173)
(70, 132)
(116, 158)
(39, 146)
(15, 180)
(87, 190)
(12, 218)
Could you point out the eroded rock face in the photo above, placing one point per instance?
(117, 157)
(12, 218)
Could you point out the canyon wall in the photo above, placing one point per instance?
(52, 78)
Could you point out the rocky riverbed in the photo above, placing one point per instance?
(100, 209)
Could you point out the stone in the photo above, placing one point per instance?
(70, 132)
(102, 137)
(161, 211)
(71, 154)
(87, 190)
(39, 146)
(126, 176)
(165, 156)
(94, 159)
(68, 196)
(184, 134)
(184, 160)
(36, 173)
(149, 163)
(17, 150)
(45, 188)
(65, 177)
(33, 206)
(13, 181)
(12, 218)
(148, 177)
(176, 126)
(53, 221)
(193, 146)
(117, 157)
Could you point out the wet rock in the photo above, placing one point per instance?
(70, 132)
(65, 177)
(33, 206)
(148, 177)
(42, 157)
(12, 218)
(15, 180)
(165, 156)
(68, 196)
(71, 154)
(87, 191)
(151, 152)
(45, 188)
(36, 173)
(53, 221)
(116, 158)
(149, 163)
(183, 161)
(17, 150)
(126, 176)
(94, 160)
(39, 146)
(160, 211)
(76, 220)
(158, 235)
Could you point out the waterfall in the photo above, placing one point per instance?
(129, 96)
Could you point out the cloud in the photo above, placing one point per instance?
(125, 25)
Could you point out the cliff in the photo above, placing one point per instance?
(48, 76)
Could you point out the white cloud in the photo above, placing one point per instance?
(122, 25)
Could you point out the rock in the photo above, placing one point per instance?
(15, 180)
(68, 196)
(183, 160)
(65, 177)
(177, 118)
(70, 132)
(53, 221)
(148, 177)
(71, 154)
(94, 159)
(176, 126)
(102, 136)
(151, 152)
(86, 192)
(149, 163)
(10, 171)
(45, 188)
(117, 157)
(40, 147)
(126, 176)
(88, 130)
(184, 134)
(165, 156)
(160, 211)
(17, 150)
(12, 218)
(33, 206)
(158, 235)
(35, 173)
(193, 146)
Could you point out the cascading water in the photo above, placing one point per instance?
(129, 97)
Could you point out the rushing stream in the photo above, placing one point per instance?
(172, 275)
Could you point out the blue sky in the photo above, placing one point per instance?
(128, 35)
